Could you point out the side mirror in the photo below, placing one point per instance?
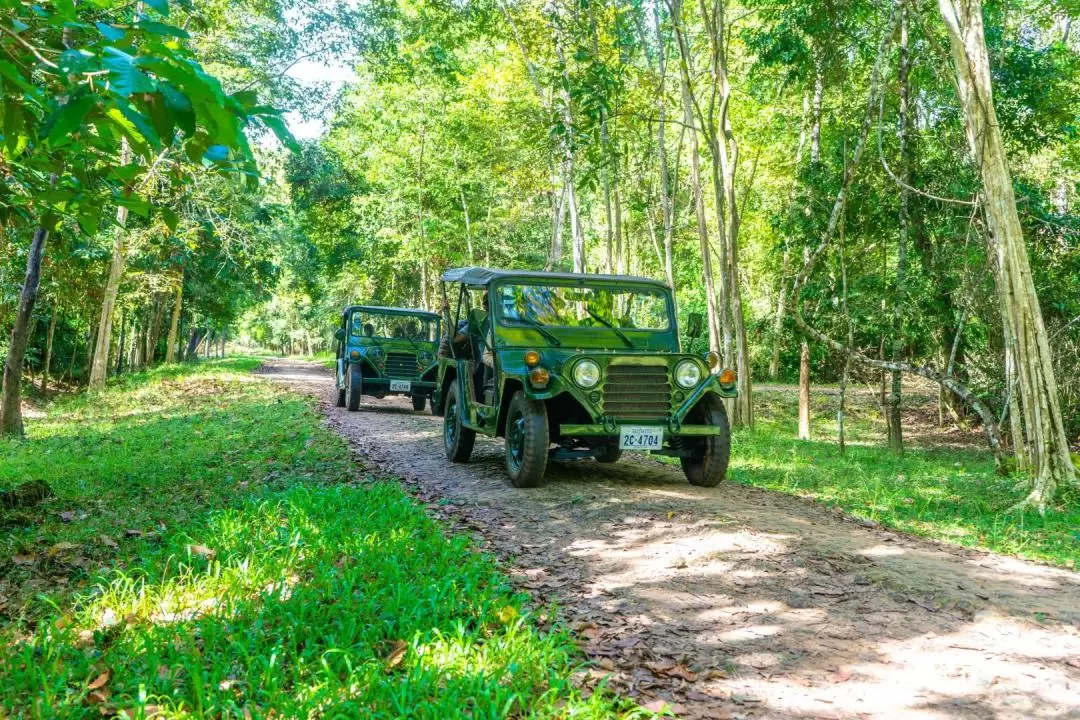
(693, 325)
(340, 335)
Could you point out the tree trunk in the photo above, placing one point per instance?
(675, 7)
(781, 299)
(468, 226)
(1044, 429)
(804, 391)
(100, 366)
(48, 351)
(896, 430)
(667, 203)
(11, 422)
(120, 343)
(815, 117)
(193, 344)
(174, 325)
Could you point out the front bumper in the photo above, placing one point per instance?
(612, 429)
(417, 387)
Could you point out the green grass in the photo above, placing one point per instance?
(212, 552)
(943, 493)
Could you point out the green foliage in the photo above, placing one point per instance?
(259, 572)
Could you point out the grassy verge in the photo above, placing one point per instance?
(943, 493)
(211, 552)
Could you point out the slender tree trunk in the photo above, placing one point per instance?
(781, 299)
(667, 203)
(11, 421)
(174, 324)
(468, 226)
(48, 350)
(120, 343)
(695, 176)
(804, 391)
(815, 117)
(155, 336)
(100, 366)
(846, 372)
(69, 374)
(1044, 429)
(896, 431)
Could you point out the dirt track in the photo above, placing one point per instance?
(735, 602)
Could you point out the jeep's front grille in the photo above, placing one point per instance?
(401, 366)
(637, 392)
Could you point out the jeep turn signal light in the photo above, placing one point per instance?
(532, 358)
(539, 377)
(354, 355)
(727, 377)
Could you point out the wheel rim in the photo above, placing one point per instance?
(515, 440)
(450, 424)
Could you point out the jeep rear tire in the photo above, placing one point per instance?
(418, 402)
(527, 441)
(355, 388)
(708, 462)
(458, 440)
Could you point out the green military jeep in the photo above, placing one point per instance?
(591, 364)
(386, 351)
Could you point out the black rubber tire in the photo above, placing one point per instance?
(708, 465)
(341, 397)
(608, 453)
(418, 402)
(527, 441)
(458, 440)
(355, 388)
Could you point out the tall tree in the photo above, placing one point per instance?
(1044, 443)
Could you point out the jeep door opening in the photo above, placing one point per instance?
(386, 351)
(589, 364)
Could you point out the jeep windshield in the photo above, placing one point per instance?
(392, 327)
(572, 306)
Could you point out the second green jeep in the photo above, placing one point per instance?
(386, 351)
(574, 366)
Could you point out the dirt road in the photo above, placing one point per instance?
(735, 602)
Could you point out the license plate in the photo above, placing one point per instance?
(636, 437)
(400, 386)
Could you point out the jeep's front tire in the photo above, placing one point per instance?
(458, 440)
(418, 402)
(708, 461)
(527, 441)
(355, 387)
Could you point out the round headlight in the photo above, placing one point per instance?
(587, 373)
(687, 374)
(376, 353)
(426, 358)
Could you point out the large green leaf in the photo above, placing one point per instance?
(110, 32)
(125, 78)
(164, 29)
(178, 103)
(162, 6)
(68, 118)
